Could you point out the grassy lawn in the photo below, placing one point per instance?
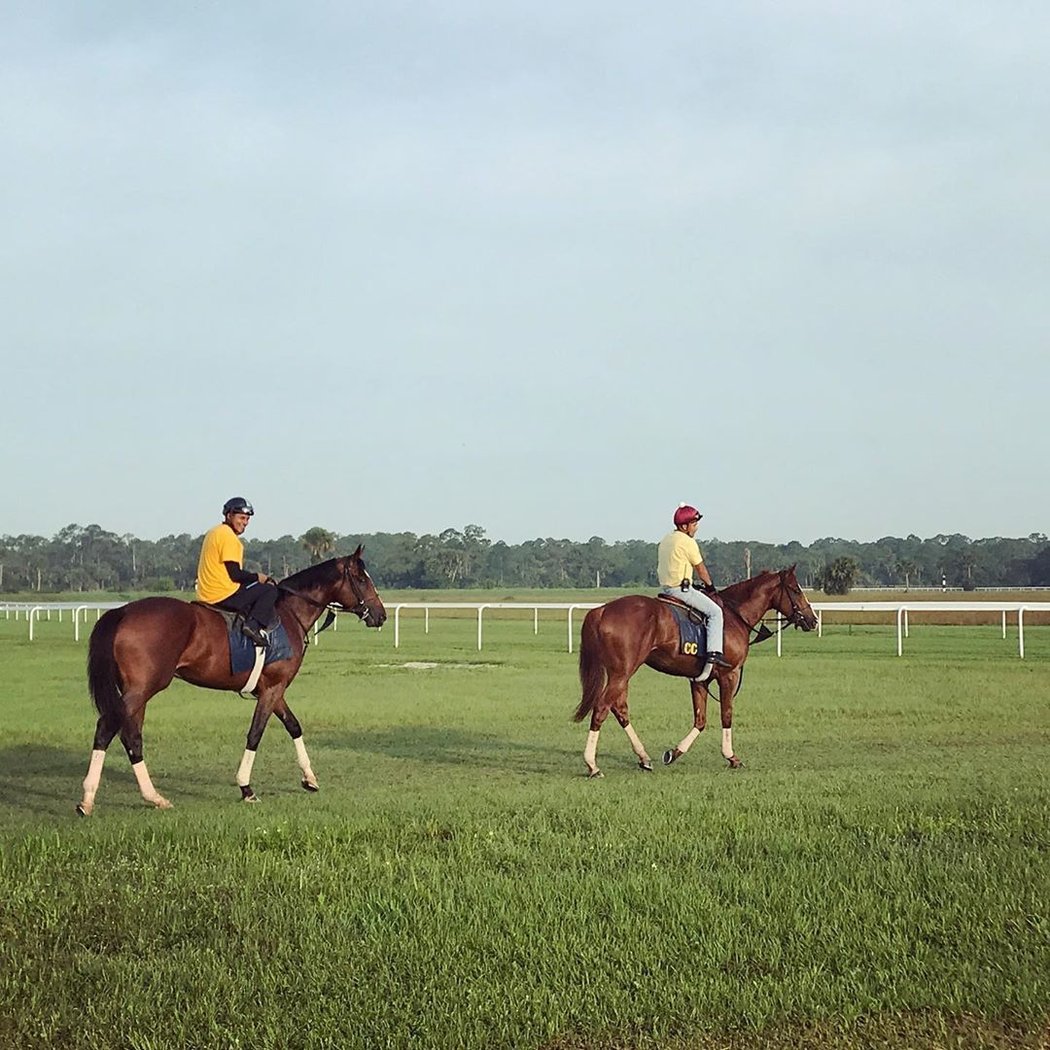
(877, 875)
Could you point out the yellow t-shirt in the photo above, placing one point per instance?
(221, 544)
(679, 552)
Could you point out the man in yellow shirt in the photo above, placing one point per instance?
(679, 555)
(222, 580)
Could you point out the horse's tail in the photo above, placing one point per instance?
(592, 670)
(102, 672)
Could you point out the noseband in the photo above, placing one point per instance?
(360, 608)
(797, 617)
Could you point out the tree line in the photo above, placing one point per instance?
(90, 558)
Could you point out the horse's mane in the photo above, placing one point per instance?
(325, 573)
(742, 588)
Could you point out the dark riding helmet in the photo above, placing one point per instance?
(237, 505)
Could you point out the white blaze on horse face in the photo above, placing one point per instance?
(727, 743)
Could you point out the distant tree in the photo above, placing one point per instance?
(1039, 568)
(839, 576)
(318, 542)
(907, 568)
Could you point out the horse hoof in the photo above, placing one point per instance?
(83, 810)
(670, 756)
(645, 767)
(310, 785)
(250, 798)
(595, 774)
(161, 803)
(734, 762)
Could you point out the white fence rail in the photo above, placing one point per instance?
(33, 612)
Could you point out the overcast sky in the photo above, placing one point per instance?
(401, 266)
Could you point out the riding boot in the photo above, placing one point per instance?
(253, 630)
(718, 659)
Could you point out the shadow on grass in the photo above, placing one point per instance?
(451, 746)
(40, 779)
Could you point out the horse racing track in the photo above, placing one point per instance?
(878, 873)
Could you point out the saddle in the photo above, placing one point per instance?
(692, 626)
(675, 602)
(242, 648)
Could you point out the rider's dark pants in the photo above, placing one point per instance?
(255, 601)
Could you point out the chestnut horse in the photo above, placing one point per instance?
(619, 637)
(135, 651)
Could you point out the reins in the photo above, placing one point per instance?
(759, 628)
(360, 609)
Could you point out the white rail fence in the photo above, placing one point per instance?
(33, 612)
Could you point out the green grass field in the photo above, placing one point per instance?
(877, 875)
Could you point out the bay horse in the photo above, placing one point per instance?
(135, 652)
(617, 638)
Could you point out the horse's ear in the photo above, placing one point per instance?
(359, 551)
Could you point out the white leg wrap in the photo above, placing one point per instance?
(303, 759)
(149, 792)
(590, 752)
(94, 773)
(636, 744)
(688, 740)
(727, 743)
(244, 770)
(92, 780)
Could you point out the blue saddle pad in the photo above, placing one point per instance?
(242, 649)
(692, 636)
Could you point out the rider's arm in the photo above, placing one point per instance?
(701, 570)
(239, 575)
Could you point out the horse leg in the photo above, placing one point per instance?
(131, 738)
(261, 715)
(699, 694)
(295, 731)
(727, 686)
(590, 752)
(620, 713)
(104, 735)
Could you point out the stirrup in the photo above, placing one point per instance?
(718, 659)
(255, 634)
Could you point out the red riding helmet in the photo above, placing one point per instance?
(686, 514)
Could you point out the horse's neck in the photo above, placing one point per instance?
(306, 612)
(753, 598)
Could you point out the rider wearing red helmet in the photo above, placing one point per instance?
(679, 557)
(222, 580)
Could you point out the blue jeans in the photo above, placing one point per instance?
(700, 601)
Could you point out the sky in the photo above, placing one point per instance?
(550, 270)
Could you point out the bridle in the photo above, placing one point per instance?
(360, 608)
(797, 618)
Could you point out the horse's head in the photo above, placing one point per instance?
(356, 592)
(792, 604)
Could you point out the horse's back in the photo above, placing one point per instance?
(631, 607)
(634, 617)
(157, 630)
